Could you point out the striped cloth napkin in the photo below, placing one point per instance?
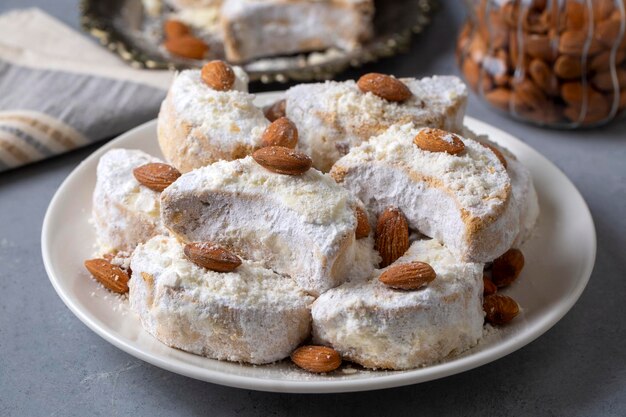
(60, 91)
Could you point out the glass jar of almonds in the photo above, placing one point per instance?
(558, 63)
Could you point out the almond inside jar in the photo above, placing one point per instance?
(521, 56)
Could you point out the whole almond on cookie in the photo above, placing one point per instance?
(218, 75)
(276, 110)
(175, 29)
(507, 267)
(282, 160)
(499, 309)
(317, 359)
(362, 224)
(437, 140)
(409, 276)
(111, 276)
(186, 46)
(282, 132)
(211, 256)
(384, 86)
(156, 176)
(392, 236)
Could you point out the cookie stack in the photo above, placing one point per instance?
(359, 215)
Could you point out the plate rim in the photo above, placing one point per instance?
(382, 381)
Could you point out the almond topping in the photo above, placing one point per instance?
(362, 224)
(392, 236)
(409, 276)
(496, 152)
(275, 111)
(156, 176)
(175, 29)
(111, 276)
(186, 46)
(282, 160)
(211, 256)
(218, 75)
(437, 140)
(499, 309)
(384, 86)
(507, 267)
(317, 359)
(282, 132)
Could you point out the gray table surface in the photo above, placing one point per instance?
(52, 364)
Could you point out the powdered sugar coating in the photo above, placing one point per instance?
(198, 125)
(463, 200)
(251, 314)
(125, 212)
(333, 117)
(257, 28)
(522, 188)
(302, 226)
(380, 327)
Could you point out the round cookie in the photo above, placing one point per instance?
(379, 327)
(198, 125)
(250, 315)
(125, 213)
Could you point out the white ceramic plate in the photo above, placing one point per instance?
(546, 290)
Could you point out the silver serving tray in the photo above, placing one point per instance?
(124, 28)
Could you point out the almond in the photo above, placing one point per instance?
(574, 42)
(471, 71)
(500, 98)
(608, 32)
(496, 152)
(218, 75)
(282, 132)
(488, 286)
(186, 46)
(437, 140)
(604, 80)
(499, 309)
(568, 67)
(539, 46)
(574, 93)
(275, 111)
(175, 29)
(111, 276)
(507, 267)
(384, 86)
(543, 77)
(575, 15)
(602, 61)
(362, 224)
(392, 236)
(317, 359)
(530, 95)
(282, 160)
(156, 176)
(211, 256)
(409, 276)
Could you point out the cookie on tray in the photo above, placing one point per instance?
(259, 28)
